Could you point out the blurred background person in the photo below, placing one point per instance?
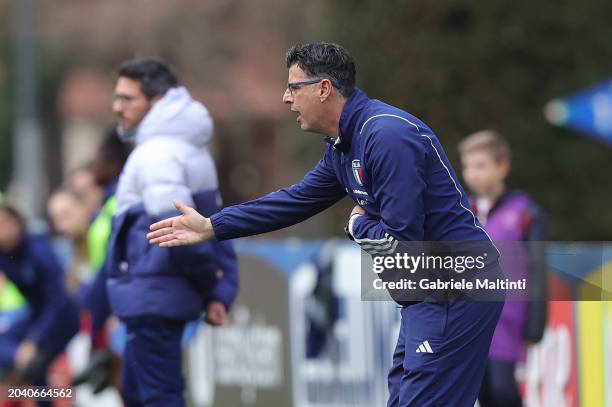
(104, 366)
(81, 213)
(105, 168)
(29, 346)
(83, 181)
(11, 301)
(508, 216)
(70, 215)
(156, 291)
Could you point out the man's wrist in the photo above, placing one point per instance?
(209, 231)
(351, 224)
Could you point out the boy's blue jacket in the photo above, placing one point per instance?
(387, 161)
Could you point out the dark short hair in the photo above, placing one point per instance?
(154, 76)
(113, 150)
(325, 60)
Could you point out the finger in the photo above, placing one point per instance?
(160, 232)
(162, 239)
(171, 243)
(162, 224)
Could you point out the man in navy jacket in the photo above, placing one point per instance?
(392, 165)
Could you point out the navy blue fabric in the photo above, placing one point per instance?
(95, 299)
(34, 268)
(459, 334)
(176, 283)
(152, 366)
(409, 189)
(10, 340)
(499, 387)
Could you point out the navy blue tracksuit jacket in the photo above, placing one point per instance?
(388, 162)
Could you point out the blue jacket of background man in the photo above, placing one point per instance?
(170, 161)
(391, 164)
(36, 272)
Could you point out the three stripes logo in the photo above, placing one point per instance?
(424, 348)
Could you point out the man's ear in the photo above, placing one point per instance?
(326, 90)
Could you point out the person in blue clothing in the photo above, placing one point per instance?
(156, 292)
(29, 346)
(394, 168)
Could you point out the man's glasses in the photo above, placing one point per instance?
(123, 99)
(293, 86)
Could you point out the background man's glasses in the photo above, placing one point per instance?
(123, 99)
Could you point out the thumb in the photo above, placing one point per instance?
(182, 208)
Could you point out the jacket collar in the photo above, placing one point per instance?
(350, 119)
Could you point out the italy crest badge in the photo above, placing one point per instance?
(357, 172)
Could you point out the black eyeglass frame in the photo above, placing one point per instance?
(293, 86)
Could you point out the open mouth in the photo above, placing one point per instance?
(299, 115)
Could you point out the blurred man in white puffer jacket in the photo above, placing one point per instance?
(156, 291)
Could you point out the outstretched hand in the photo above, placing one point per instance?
(186, 229)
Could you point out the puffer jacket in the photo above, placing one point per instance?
(170, 161)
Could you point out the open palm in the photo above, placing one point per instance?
(186, 229)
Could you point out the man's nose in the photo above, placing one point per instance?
(287, 97)
(117, 106)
